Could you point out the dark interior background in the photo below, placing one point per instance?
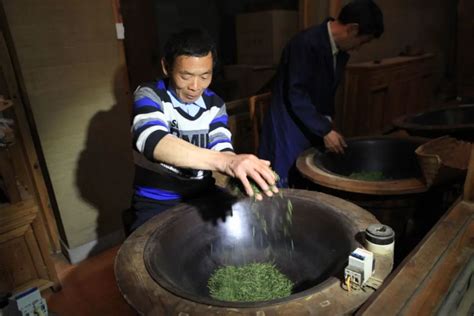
(155, 20)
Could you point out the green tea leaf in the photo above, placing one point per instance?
(249, 283)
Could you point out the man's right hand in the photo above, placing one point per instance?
(245, 167)
(334, 142)
(179, 153)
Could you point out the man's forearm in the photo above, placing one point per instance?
(179, 153)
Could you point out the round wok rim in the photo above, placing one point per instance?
(306, 166)
(147, 296)
(403, 122)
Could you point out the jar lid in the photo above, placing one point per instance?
(380, 234)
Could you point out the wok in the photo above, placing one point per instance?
(455, 121)
(164, 266)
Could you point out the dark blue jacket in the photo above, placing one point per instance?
(302, 97)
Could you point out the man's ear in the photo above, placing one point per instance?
(163, 67)
(353, 28)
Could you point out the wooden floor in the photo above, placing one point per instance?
(88, 288)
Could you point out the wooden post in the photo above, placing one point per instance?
(469, 184)
(334, 8)
(303, 14)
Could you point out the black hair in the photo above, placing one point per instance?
(189, 42)
(366, 13)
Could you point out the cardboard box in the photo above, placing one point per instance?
(248, 80)
(261, 36)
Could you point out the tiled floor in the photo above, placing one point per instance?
(88, 289)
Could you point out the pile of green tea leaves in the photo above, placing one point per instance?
(238, 189)
(249, 283)
(368, 176)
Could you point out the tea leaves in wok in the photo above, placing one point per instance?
(249, 283)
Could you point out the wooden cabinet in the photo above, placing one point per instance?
(377, 92)
(24, 256)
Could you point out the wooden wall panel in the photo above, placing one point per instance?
(378, 102)
(377, 93)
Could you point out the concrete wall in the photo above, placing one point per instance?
(75, 76)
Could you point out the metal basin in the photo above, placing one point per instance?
(164, 266)
(456, 121)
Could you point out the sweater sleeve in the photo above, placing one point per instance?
(219, 134)
(302, 60)
(149, 124)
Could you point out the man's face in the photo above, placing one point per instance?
(352, 40)
(355, 42)
(190, 76)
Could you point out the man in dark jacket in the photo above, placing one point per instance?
(310, 69)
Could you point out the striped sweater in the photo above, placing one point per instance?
(155, 116)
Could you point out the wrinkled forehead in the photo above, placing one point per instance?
(193, 64)
(184, 55)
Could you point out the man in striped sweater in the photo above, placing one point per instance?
(180, 133)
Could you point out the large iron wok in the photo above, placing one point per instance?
(163, 267)
(456, 121)
(393, 156)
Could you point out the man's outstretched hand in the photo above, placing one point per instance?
(334, 142)
(245, 167)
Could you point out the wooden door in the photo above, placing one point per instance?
(28, 232)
